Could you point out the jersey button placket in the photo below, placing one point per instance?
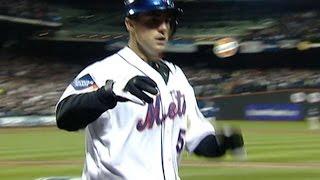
(169, 167)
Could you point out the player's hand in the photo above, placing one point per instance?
(139, 85)
(232, 140)
(134, 90)
(233, 137)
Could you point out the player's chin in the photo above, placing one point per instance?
(160, 47)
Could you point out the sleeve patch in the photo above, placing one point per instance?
(85, 82)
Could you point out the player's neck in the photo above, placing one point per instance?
(142, 53)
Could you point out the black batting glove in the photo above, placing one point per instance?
(226, 139)
(138, 85)
(234, 140)
(230, 138)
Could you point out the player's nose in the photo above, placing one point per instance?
(164, 26)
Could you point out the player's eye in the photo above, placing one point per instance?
(168, 20)
(156, 21)
(153, 22)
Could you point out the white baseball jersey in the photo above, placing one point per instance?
(134, 141)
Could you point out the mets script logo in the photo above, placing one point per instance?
(156, 114)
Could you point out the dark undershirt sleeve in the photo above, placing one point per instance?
(77, 111)
(209, 147)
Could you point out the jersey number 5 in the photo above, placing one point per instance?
(180, 142)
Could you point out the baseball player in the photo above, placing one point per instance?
(138, 110)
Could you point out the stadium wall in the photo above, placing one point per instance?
(287, 105)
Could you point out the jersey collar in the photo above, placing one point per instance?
(133, 59)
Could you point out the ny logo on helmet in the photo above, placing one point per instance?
(126, 2)
(168, 2)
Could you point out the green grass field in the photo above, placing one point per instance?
(276, 150)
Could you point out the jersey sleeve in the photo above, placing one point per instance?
(197, 126)
(83, 102)
(84, 82)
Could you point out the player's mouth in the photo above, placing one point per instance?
(161, 40)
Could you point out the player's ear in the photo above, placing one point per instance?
(129, 24)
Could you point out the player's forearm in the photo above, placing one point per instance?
(77, 111)
(217, 145)
(209, 147)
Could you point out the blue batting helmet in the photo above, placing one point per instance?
(134, 7)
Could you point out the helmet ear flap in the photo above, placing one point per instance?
(173, 25)
(175, 21)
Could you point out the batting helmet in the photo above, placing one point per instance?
(134, 7)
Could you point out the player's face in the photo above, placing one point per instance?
(151, 32)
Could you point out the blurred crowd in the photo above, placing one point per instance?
(303, 26)
(212, 82)
(253, 25)
(32, 85)
(30, 9)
